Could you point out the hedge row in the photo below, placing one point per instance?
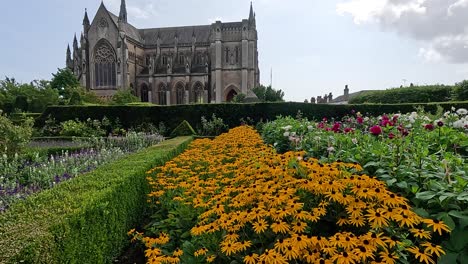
(231, 113)
(84, 220)
(415, 94)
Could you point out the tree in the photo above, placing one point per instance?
(460, 91)
(122, 97)
(239, 98)
(268, 94)
(62, 80)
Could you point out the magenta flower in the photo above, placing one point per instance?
(440, 123)
(360, 120)
(391, 135)
(429, 127)
(376, 130)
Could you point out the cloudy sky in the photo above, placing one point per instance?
(313, 46)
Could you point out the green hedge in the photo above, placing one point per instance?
(86, 219)
(231, 113)
(415, 94)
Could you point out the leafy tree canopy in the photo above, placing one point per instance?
(268, 94)
(63, 79)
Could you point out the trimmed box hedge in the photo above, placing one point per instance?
(132, 116)
(86, 219)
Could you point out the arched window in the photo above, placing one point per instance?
(180, 91)
(162, 94)
(144, 93)
(198, 93)
(105, 65)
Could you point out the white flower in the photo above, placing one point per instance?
(462, 111)
(310, 128)
(287, 127)
(446, 114)
(276, 144)
(459, 124)
(354, 140)
(366, 119)
(286, 134)
(453, 109)
(317, 138)
(330, 149)
(293, 134)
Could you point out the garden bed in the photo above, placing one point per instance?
(84, 220)
(235, 200)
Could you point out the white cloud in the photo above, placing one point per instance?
(441, 24)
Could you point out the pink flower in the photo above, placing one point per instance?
(429, 127)
(360, 120)
(376, 130)
(336, 127)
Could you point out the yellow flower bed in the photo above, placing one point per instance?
(256, 206)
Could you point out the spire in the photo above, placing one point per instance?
(75, 44)
(69, 60)
(252, 21)
(86, 24)
(86, 19)
(123, 12)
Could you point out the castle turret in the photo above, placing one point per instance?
(346, 93)
(252, 21)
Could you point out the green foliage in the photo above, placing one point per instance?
(183, 129)
(460, 91)
(63, 79)
(90, 128)
(33, 97)
(75, 98)
(134, 116)
(125, 96)
(415, 94)
(13, 138)
(240, 98)
(84, 220)
(426, 163)
(213, 127)
(268, 94)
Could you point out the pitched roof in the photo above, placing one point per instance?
(130, 30)
(184, 34)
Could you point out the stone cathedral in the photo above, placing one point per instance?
(166, 66)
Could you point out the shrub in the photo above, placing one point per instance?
(460, 92)
(183, 129)
(125, 96)
(213, 127)
(133, 116)
(415, 94)
(13, 138)
(83, 220)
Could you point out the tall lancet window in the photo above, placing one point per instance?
(105, 66)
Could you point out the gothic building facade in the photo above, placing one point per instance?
(166, 66)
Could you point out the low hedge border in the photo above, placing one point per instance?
(132, 116)
(86, 219)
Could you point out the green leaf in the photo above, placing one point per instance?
(449, 258)
(421, 212)
(448, 221)
(425, 195)
(403, 185)
(458, 214)
(391, 182)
